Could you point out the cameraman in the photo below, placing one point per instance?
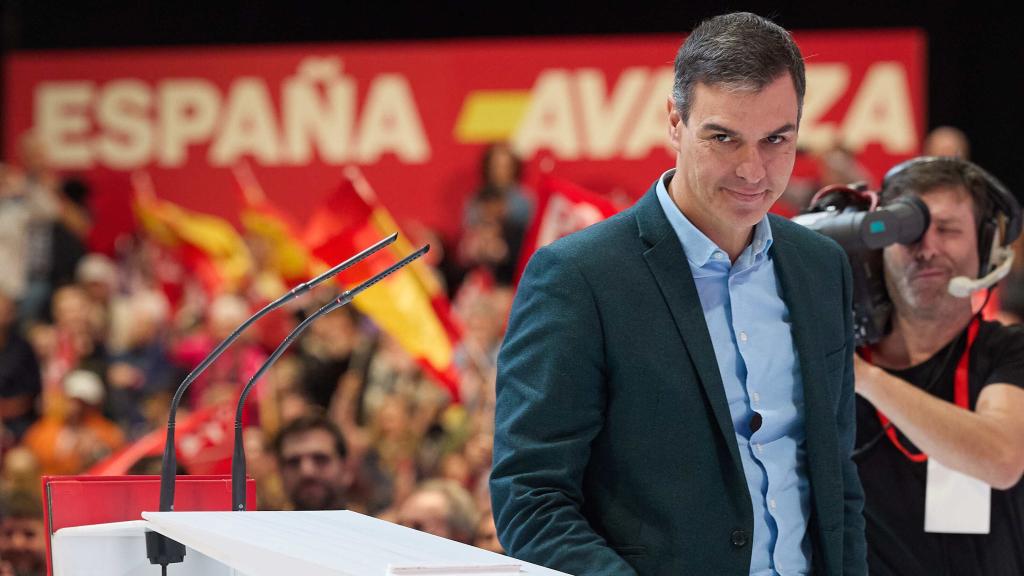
(950, 384)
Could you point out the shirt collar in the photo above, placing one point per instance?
(698, 247)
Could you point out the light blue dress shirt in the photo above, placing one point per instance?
(750, 329)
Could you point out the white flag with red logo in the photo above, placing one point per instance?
(562, 208)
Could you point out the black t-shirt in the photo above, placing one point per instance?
(894, 486)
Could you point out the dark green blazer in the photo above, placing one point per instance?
(614, 449)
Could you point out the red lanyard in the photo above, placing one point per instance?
(960, 395)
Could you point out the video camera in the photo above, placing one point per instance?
(850, 215)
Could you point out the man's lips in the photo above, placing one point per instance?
(929, 273)
(748, 195)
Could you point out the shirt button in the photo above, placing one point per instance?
(739, 538)
(760, 448)
(719, 255)
(756, 397)
(771, 503)
(743, 336)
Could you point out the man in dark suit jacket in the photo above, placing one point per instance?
(675, 391)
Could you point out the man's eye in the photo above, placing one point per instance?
(722, 138)
(775, 139)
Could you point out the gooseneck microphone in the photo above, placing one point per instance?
(238, 458)
(160, 549)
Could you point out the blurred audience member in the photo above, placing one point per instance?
(72, 343)
(261, 464)
(839, 165)
(947, 141)
(482, 312)
(326, 353)
(311, 454)
(1010, 292)
(487, 535)
(22, 534)
(294, 404)
(72, 442)
(57, 246)
(442, 508)
(495, 220)
(144, 367)
(56, 233)
(20, 470)
(393, 373)
(19, 374)
(98, 276)
(224, 379)
(27, 208)
(501, 173)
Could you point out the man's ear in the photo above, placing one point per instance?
(675, 123)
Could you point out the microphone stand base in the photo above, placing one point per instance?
(163, 551)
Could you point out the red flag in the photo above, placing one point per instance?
(562, 208)
(203, 442)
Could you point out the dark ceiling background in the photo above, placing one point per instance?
(975, 50)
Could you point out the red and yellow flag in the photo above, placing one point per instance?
(288, 255)
(209, 246)
(410, 305)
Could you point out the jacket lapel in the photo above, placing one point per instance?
(819, 413)
(667, 261)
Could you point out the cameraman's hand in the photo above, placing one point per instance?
(866, 376)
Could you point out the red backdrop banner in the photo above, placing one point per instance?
(415, 116)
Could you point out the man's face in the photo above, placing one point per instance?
(918, 275)
(734, 155)
(23, 544)
(312, 472)
(427, 512)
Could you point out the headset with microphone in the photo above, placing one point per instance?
(998, 227)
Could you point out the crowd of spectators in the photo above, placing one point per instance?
(92, 346)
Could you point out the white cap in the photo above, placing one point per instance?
(84, 385)
(96, 268)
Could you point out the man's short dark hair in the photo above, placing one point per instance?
(740, 50)
(922, 177)
(20, 504)
(310, 423)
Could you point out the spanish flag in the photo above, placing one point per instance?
(289, 258)
(409, 305)
(209, 246)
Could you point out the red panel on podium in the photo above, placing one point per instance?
(85, 500)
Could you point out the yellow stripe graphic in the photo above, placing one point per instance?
(490, 115)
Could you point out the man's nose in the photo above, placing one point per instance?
(308, 467)
(927, 246)
(751, 166)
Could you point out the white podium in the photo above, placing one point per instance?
(327, 543)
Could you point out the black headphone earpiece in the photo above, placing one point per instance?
(1003, 203)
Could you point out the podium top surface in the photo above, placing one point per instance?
(327, 543)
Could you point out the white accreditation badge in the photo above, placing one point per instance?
(955, 503)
